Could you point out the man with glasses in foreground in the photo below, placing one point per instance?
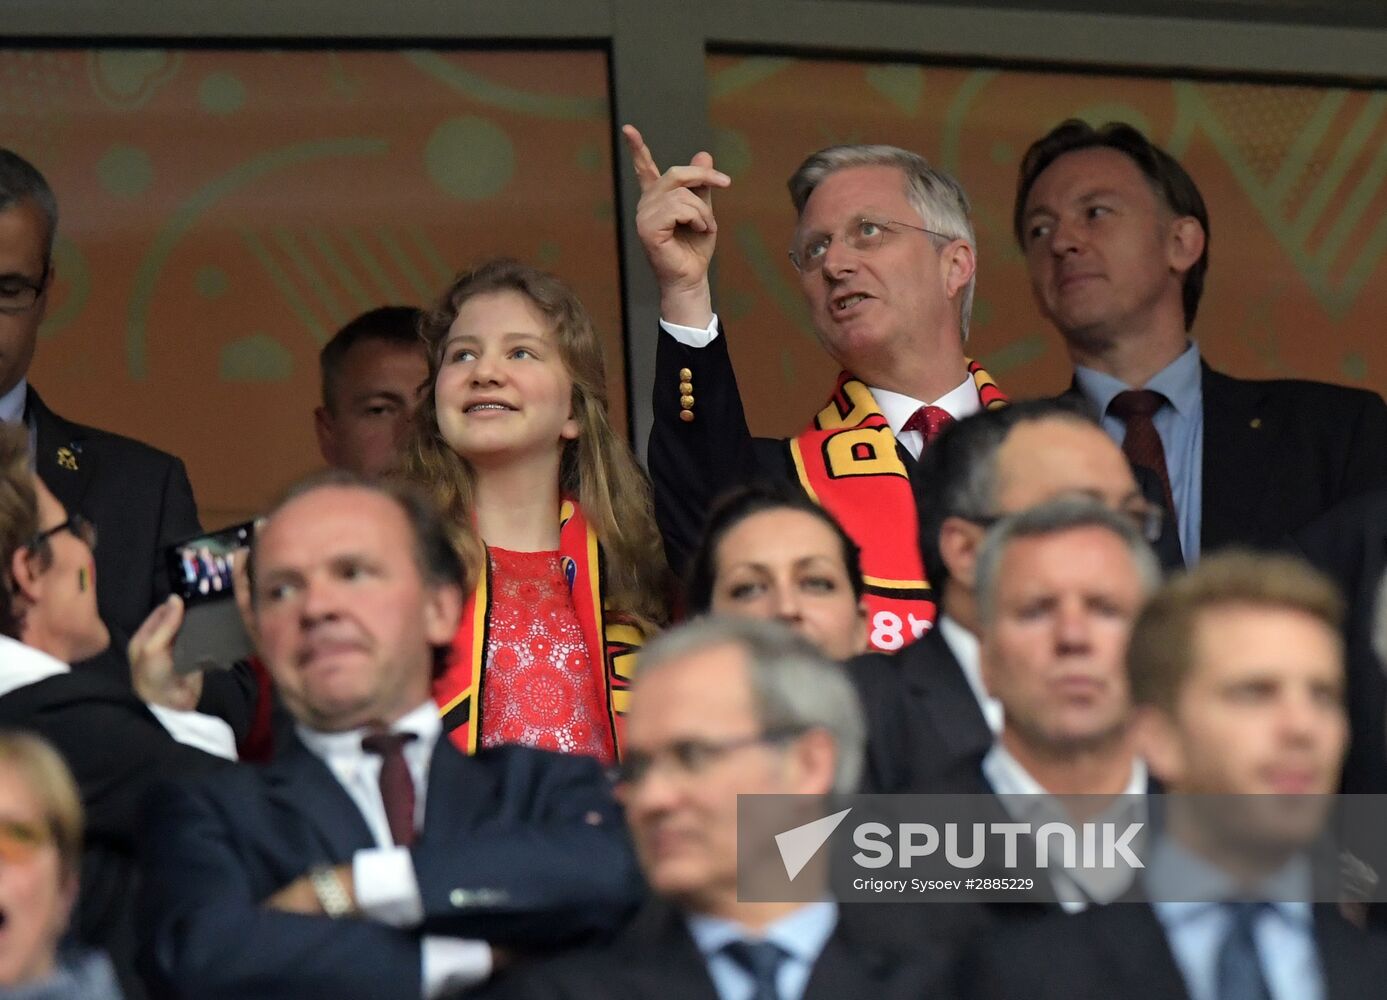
(886, 258)
(116, 744)
(725, 707)
(139, 496)
(928, 707)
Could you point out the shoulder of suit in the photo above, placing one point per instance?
(876, 672)
(1321, 393)
(127, 448)
(515, 760)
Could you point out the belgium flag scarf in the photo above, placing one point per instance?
(846, 461)
(458, 690)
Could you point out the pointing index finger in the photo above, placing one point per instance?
(641, 161)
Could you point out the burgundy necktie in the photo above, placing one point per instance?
(396, 784)
(1141, 444)
(930, 421)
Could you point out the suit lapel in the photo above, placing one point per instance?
(936, 680)
(661, 957)
(1237, 458)
(843, 971)
(1134, 942)
(59, 458)
(458, 790)
(307, 787)
(1341, 948)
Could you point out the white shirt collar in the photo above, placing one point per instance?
(22, 665)
(1027, 802)
(1007, 776)
(960, 401)
(967, 651)
(12, 403)
(345, 747)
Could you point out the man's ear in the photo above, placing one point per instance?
(959, 263)
(814, 762)
(442, 613)
(959, 541)
(327, 440)
(861, 641)
(41, 307)
(1185, 244)
(27, 577)
(1158, 743)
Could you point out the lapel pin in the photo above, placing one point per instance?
(1255, 423)
(67, 460)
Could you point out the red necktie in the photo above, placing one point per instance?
(930, 421)
(396, 784)
(1141, 444)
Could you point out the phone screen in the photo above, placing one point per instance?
(200, 568)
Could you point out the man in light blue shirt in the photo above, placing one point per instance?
(1115, 234)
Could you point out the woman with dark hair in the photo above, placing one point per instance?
(769, 553)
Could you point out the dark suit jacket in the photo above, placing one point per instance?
(1279, 452)
(693, 463)
(655, 958)
(1121, 951)
(521, 848)
(141, 502)
(117, 751)
(139, 498)
(922, 717)
(1350, 544)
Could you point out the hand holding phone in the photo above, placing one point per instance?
(152, 670)
(203, 573)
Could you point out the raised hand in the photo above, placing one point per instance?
(675, 222)
(152, 669)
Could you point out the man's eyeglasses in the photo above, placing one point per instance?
(1147, 518)
(19, 842)
(689, 758)
(18, 295)
(80, 526)
(863, 236)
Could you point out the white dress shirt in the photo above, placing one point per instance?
(12, 403)
(387, 889)
(1027, 801)
(960, 401)
(967, 651)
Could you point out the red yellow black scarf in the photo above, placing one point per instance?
(846, 461)
(613, 644)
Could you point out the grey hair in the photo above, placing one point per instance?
(20, 179)
(938, 198)
(1051, 518)
(794, 687)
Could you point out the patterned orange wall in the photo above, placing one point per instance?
(223, 213)
(1295, 179)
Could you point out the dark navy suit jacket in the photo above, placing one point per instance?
(521, 848)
